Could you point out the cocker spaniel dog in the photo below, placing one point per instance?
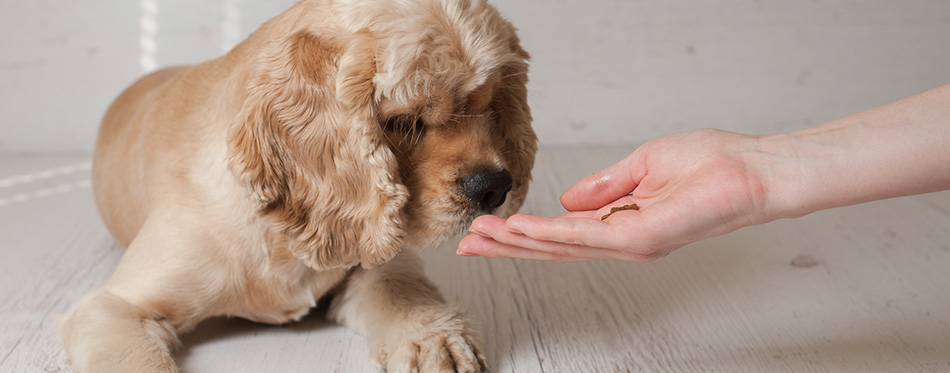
(309, 163)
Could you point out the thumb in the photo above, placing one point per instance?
(605, 186)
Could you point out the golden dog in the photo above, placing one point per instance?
(307, 163)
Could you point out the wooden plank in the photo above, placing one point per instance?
(55, 249)
(861, 288)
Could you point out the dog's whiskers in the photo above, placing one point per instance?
(514, 75)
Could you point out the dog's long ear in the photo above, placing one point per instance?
(510, 105)
(307, 144)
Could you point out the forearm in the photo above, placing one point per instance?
(901, 148)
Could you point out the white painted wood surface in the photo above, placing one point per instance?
(862, 288)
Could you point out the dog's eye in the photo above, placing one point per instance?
(410, 127)
(492, 112)
(403, 123)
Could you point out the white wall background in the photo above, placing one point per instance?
(618, 71)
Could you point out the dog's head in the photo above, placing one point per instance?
(395, 125)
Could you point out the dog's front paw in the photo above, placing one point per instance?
(442, 342)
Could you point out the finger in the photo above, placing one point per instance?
(497, 230)
(475, 244)
(615, 233)
(605, 186)
(605, 209)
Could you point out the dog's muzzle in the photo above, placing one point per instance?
(487, 188)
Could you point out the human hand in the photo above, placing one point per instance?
(689, 186)
(700, 184)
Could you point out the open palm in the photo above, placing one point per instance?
(687, 186)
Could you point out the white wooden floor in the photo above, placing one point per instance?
(864, 288)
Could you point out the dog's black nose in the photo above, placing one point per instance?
(487, 188)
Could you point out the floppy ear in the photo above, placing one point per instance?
(514, 125)
(307, 144)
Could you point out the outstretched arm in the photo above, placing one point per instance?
(701, 184)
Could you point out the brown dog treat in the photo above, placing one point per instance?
(632, 206)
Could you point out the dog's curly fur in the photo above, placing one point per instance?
(305, 164)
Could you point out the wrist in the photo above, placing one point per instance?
(783, 172)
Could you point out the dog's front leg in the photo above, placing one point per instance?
(160, 287)
(105, 333)
(409, 326)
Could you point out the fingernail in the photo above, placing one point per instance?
(473, 231)
(509, 225)
(462, 251)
